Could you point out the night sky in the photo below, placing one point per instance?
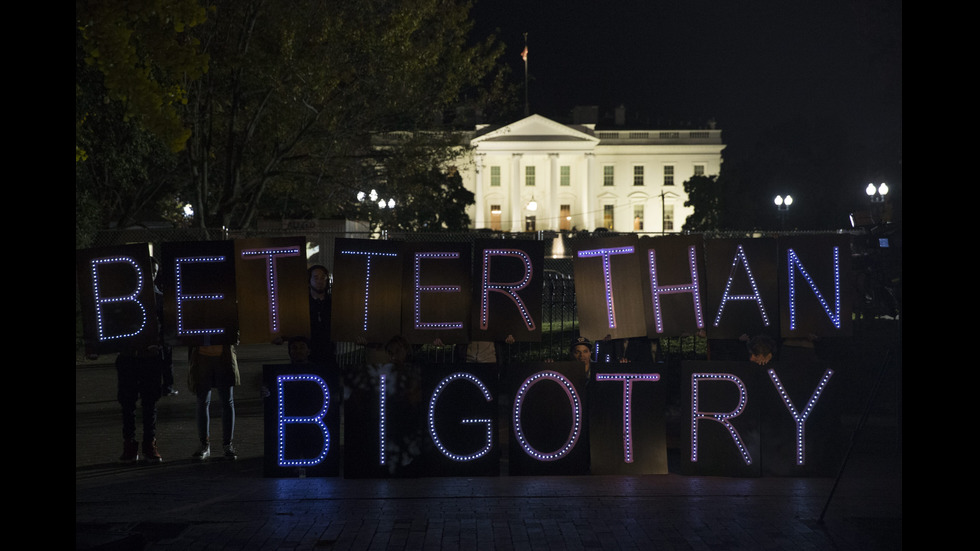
(748, 65)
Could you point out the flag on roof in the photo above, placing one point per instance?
(524, 54)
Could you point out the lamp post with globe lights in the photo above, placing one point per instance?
(373, 198)
(782, 206)
(877, 195)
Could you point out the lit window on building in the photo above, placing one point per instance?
(495, 217)
(495, 176)
(668, 217)
(607, 217)
(638, 218)
(530, 223)
(566, 218)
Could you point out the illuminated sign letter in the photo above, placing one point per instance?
(182, 298)
(723, 418)
(316, 419)
(573, 398)
(132, 297)
(507, 289)
(272, 281)
(794, 265)
(657, 290)
(607, 276)
(382, 428)
(487, 422)
(628, 379)
(740, 259)
(801, 417)
(367, 277)
(419, 289)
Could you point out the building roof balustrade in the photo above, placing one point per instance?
(657, 137)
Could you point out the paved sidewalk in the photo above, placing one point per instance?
(184, 505)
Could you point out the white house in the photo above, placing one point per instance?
(537, 174)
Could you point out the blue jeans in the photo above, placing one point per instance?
(227, 396)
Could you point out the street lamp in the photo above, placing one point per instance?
(373, 198)
(877, 194)
(782, 205)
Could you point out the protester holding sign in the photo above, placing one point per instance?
(581, 351)
(323, 351)
(761, 349)
(140, 372)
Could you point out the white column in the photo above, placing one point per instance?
(554, 213)
(479, 217)
(516, 208)
(587, 214)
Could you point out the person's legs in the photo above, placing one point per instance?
(130, 446)
(227, 396)
(150, 451)
(203, 423)
(149, 389)
(127, 394)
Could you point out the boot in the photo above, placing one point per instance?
(130, 452)
(203, 452)
(230, 452)
(150, 453)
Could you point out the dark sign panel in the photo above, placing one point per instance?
(673, 284)
(719, 401)
(548, 421)
(302, 421)
(507, 290)
(384, 421)
(115, 287)
(741, 288)
(367, 290)
(199, 290)
(462, 420)
(814, 276)
(607, 288)
(802, 433)
(273, 269)
(627, 428)
(436, 297)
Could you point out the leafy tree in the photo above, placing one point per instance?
(145, 55)
(283, 120)
(132, 63)
(723, 201)
(121, 169)
(704, 193)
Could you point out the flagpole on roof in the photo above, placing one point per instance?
(527, 107)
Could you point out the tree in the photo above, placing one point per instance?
(704, 193)
(133, 61)
(145, 55)
(296, 90)
(723, 201)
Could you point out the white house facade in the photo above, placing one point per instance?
(537, 174)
